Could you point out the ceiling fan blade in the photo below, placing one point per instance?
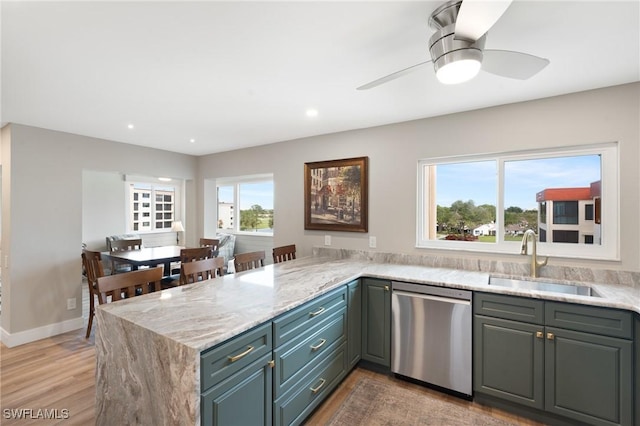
(393, 76)
(507, 63)
(477, 16)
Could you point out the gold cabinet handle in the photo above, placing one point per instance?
(271, 363)
(317, 388)
(319, 345)
(386, 288)
(539, 334)
(550, 336)
(318, 312)
(242, 355)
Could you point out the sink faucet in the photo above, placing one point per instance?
(529, 234)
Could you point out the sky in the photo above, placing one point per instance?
(250, 193)
(477, 181)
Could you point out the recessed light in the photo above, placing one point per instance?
(312, 112)
(192, 140)
(164, 179)
(130, 126)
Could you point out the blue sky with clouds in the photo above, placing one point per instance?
(260, 193)
(477, 181)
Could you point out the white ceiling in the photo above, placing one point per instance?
(240, 74)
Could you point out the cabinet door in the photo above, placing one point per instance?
(509, 360)
(243, 399)
(588, 377)
(354, 323)
(376, 321)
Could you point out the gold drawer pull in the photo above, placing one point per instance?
(386, 288)
(318, 312)
(539, 334)
(319, 345)
(550, 336)
(316, 389)
(242, 355)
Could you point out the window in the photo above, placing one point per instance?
(152, 207)
(485, 203)
(588, 212)
(252, 197)
(565, 212)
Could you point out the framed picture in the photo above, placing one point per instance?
(336, 195)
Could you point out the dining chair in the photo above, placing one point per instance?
(92, 263)
(250, 260)
(284, 253)
(129, 284)
(123, 245)
(200, 270)
(192, 254)
(210, 242)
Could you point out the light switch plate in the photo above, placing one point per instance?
(327, 240)
(372, 242)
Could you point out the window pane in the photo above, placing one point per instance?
(256, 206)
(465, 200)
(559, 188)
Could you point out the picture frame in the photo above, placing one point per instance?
(336, 195)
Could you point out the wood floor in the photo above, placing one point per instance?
(58, 374)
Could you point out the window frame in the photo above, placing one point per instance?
(609, 249)
(235, 182)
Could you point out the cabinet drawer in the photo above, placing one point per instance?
(296, 322)
(591, 319)
(294, 406)
(223, 360)
(294, 359)
(509, 307)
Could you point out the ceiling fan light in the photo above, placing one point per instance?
(458, 71)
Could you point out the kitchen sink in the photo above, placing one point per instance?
(579, 290)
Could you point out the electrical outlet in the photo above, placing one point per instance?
(327, 240)
(372, 242)
(71, 303)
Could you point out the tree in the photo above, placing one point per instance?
(250, 219)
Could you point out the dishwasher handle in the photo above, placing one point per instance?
(430, 297)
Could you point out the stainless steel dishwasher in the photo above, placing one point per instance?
(431, 335)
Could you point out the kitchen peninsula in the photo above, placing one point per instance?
(148, 349)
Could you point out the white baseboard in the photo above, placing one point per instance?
(27, 336)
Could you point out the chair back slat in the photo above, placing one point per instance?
(210, 242)
(284, 253)
(200, 270)
(191, 255)
(129, 284)
(250, 260)
(125, 245)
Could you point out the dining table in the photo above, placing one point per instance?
(147, 256)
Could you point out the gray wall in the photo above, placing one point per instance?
(43, 194)
(43, 207)
(604, 115)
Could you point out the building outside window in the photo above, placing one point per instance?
(152, 207)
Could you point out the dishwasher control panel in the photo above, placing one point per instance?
(453, 293)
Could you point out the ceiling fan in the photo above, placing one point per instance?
(457, 46)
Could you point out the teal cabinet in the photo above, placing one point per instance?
(310, 353)
(509, 361)
(637, 369)
(354, 322)
(376, 321)
(540, 355)
(236, 380)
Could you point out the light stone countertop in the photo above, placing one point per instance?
(202, 315)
